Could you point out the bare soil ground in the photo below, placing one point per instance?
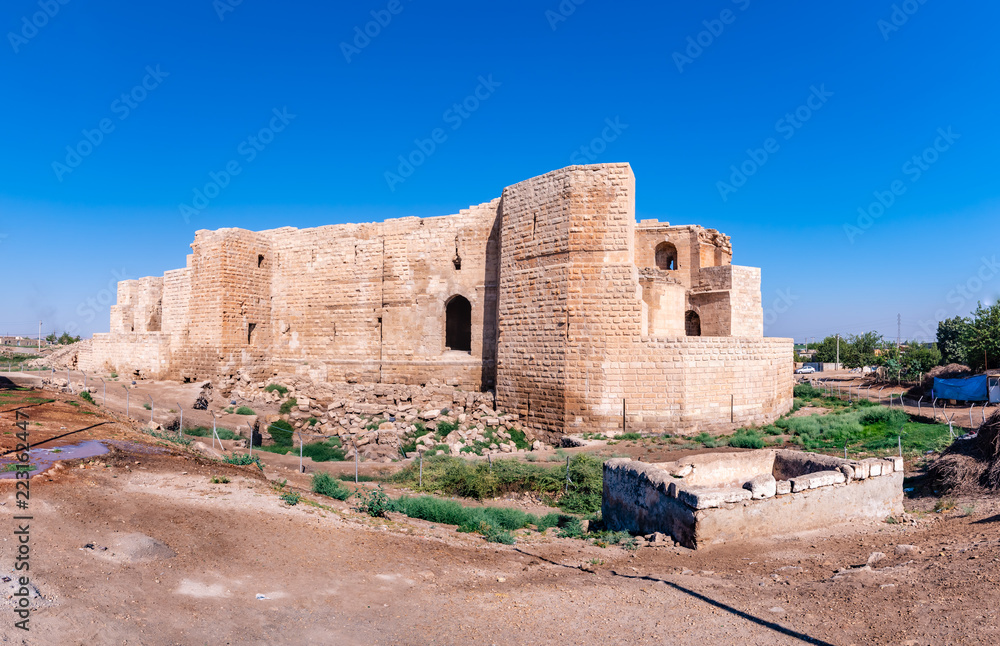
(139, 547)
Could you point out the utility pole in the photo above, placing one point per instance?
(899, 331)
(39, 336)
(838, 352)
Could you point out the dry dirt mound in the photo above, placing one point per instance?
(971, 464)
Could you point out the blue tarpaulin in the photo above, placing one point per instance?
(973, 389)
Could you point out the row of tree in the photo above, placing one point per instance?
(65, 339)
(973, 341)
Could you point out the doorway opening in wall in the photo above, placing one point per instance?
(458, 325)
(666, 256)
(251, 328)
(692, 323)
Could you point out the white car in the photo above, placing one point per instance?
(805, 370)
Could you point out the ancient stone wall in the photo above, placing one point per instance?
(552, 294)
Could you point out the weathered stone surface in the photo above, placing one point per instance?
(816, 480)
(698, 498)
(582, 292)
(782, 487)
(763, 486)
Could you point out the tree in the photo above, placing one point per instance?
(981, 338)
(52, 338)
(919, 359)
(826, 350)
(950, 339)
(861, 350)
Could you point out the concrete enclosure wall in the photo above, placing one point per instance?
(577, 315)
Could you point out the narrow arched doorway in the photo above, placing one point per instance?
(458, 325)
(692, 323)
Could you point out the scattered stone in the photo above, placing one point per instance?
(874, 558)
(902, 550)
(762, 486)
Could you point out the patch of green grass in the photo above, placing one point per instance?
(375, 423)
(278, 388)
(242, 460)
(708, 441)
(7, 468)
(170, 437)
(746, 439)
(245, 410)
(274, 448)
(86, 396)
(204, 431)
(519, 439)
(325, 485)
(288, 405)
(147, 406)
(219, 480)
(349, 477)
(629, 436)
(325, 451)
(291, 498)
(475, 479)
(492, 522)
(37, 400)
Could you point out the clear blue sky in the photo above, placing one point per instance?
(870, 96)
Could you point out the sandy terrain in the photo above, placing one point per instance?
(139, 547)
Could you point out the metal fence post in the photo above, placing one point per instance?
(567, 474)
(152, 407)
(180, 425)
(421, 458)
(355, 460)
(126, 401)
(251, 438)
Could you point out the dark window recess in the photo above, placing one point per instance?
(458, 325)
(260, 261)
(251, 328)
(692, 323)
(666, 256)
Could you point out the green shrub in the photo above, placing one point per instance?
(292, 497)
(324, 451)
(374, 503)
(629, 436)
(444, 428)
(881, 415)
(806, 391)
(281, 432)
(85, 396)
(281, 390)
(245, 410)
(312, 421)
(496, 535)
(326, 485)
(288, 405)
(707, 440)
(746, 439)
(242, 460)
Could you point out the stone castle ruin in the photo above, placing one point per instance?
(580, 318)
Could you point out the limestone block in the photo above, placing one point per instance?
(861, 470)
(782, 487)
(762, 486)
(874, 467)
(897, 463)
(816, 480)
(707, 498)
(430, 414)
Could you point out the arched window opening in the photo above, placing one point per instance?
(692, 323)
(458, 325)
(666, 256)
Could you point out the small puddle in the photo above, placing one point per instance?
(43, 459)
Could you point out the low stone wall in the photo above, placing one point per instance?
(820, 492)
